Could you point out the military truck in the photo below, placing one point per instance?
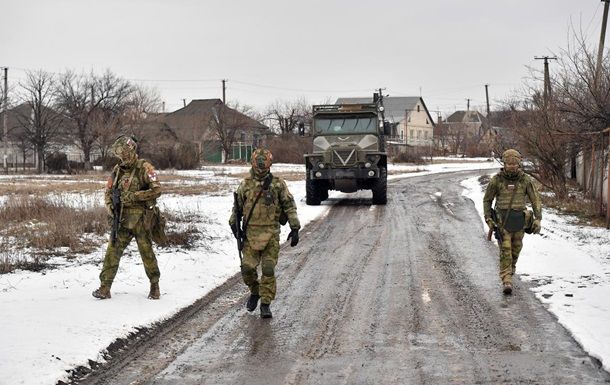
(348, 151)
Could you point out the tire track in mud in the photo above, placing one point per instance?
(401, 294)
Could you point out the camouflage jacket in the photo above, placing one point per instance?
(144, 184)
(266, 214)
(501, 189)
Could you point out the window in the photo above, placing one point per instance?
(427, 121)
(411, 133)
(418, 134)
(425, 134)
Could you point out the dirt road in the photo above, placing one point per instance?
(406, 293)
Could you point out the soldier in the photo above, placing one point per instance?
(262, 199)
(510, 188)
(137, 182)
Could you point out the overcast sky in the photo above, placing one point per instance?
(281, 49)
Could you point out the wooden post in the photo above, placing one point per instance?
(608, 191)
(601, 174)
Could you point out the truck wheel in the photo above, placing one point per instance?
(312, 195)
(380, 190)
(323, 193)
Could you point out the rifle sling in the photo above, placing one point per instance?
(266, 185)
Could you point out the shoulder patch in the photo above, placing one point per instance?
(150, 171)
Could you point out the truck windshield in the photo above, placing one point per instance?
(345, 125)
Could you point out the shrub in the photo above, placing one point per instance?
(181, 156)
(57, 162)
(289, 148)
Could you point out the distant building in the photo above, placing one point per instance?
(412, 124)
(199, 122)
(473, 123)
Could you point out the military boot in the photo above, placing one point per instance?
(252, 302)
(265, 311)
(507, 288)
(102, 293)
(154, 293)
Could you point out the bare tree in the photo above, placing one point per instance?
(286, 115)
(141, 103)
(95, 104)
(228, 125)
(39, 123)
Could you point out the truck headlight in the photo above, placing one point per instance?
(371, 173)
(367, 165)
(320, 165)
(318, 174)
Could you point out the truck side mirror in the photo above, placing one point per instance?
(387, 128)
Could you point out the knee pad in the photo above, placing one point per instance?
(247, 270)
(268, 269)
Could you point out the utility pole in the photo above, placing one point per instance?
(602, 37)
(468, 104)
(487, 98)
(224, 91)
(381, 104)
(547, 78)
(4, 120)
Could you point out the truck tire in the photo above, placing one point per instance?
(312, 194)
(380, 190)
(323, 191)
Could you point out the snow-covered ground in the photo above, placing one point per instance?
(570, 267)
(51, 323)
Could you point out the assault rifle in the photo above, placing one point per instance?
(116, 211)
(239, 234)
(495, 229)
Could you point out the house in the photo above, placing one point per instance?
(208, 123)
(19, 149)
(465, 132)
(472, 123)
(412, 123)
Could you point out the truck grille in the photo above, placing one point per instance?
(343, 158)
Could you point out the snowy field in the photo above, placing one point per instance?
(570, 267)
(51, 323)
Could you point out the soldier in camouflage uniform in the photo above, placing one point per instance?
(511, 188)
(139, 187)
(262, 238)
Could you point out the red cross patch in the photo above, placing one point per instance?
(152, 176)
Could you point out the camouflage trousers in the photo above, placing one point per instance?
(267, 258)
(115, 252)
(509, 254)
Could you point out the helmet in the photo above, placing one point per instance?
(125, 148)
(261, 162)
(510, 156)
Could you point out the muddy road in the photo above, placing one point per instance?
(406, 293)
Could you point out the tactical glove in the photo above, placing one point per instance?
(536, 227)
(294, 237)
(490, 223)
(128, 198)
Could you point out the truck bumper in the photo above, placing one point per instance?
(348, 173)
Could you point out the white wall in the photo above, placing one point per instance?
(418, 128)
